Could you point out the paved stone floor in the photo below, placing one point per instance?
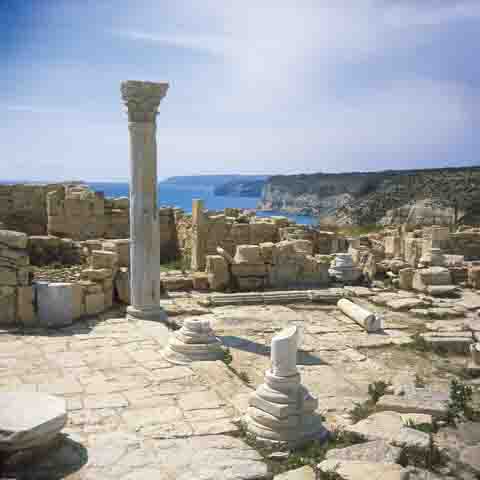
(134, 416)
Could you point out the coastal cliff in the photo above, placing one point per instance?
(436, 196)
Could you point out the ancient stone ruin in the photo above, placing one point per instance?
(229, 345)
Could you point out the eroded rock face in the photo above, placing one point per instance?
(29, 419)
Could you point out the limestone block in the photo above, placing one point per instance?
(7, 307)
(23, 276)
(266, 251)
(93, 245)
(475, 353)
(283, 251)
(390, 427)
(368, 320)
(425, 277)
(122, 285)
(304, 247)
(25, 308)
(11, 257)
(246, 284)
(121, 203)
(240, 233)
(218, 272)
(122, 248)
(413, 251)
(262, 232)
(248, 254)
(406, 278)
(303, 473)
(94, 303)
(96, 274)
(359, 470)
(78, 301)
(177, 282)
(473, 277)
(249, 270)
(29, 419)
(370, 267)
(54, 304)
(12, 239)
(200, 281)
(8, 276)
(393, 246)
(90, 287)
(439, 236)
(103, 259)
(283, 274)
(6, 291)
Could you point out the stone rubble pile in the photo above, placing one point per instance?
(268, 265)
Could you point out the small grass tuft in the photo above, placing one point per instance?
(459, 405)
(419, 381)
(243, 376)
(227, 357)
(429, 458)
(421, 427)
(376, 390)
(361, 411)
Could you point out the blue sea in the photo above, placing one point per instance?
(181, 196)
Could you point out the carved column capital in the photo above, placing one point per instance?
(141, 99)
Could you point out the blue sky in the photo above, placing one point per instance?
(256, 86)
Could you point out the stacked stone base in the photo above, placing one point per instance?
(194, 342)
(282, 411)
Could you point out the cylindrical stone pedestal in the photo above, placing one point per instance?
(142, 100)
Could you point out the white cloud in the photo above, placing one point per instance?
(255, 88)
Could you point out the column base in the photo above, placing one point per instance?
(152, 312)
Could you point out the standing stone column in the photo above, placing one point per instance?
(142, 100)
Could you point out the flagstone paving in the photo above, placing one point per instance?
(132, 415)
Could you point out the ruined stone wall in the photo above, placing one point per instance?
(79, 213)
(23, 208)
(32, 296)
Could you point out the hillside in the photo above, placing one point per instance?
(444, 195)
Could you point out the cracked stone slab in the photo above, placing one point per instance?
(390, 427)
(430, 403)
(376, 451)
(356, 470)
(208, 457)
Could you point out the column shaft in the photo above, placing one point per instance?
(144, 226)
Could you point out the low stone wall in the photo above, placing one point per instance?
(79, 213)
(285, 264)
